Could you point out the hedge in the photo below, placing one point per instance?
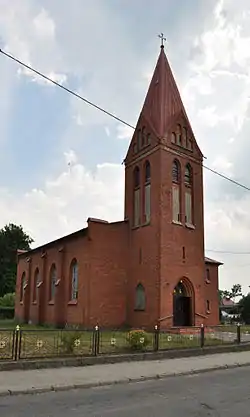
(7, 312)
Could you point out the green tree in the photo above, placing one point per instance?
(244, 308)
(12, 238)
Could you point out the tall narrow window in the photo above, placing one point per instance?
(22, 287)
(185, 137)
(137, 198)
(138, 140)
(188, 195)
(140, 298)
(176, 191)
(53, 280)
(208, 306)
(178, 135)
(189, 144)
(147, 192)
(143, 137)
(173, 137)
(35, 285)
(74, 280)
(148, 139)
(207, 276)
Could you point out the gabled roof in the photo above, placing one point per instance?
(212, 261)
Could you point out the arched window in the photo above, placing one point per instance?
(140, 298)
(180, 290)
(35, 285)
(208, 275)
(208, 306)
(189, 144)
(22, 287)
(53, 279)
(188, 195)
(176, 171)
(185, 137)
(148, 139)
(188, 175)
(178, 135)
(173, 137)
(176, 195)
(137, 196)
(147, 192)
(74, 280)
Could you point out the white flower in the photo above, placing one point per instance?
(113, 341)
(169, 338)
(77, 342)
(2, 344)
(142, 340)
(191, 337)
(39, 344)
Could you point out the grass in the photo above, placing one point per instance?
(43, 342)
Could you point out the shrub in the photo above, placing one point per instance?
(8, 300)
(69, 339)
(138, 339)
(7, 313)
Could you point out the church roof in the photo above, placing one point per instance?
(212, 261)
(163, 102)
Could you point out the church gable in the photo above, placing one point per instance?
(143, 140)
(180, 137)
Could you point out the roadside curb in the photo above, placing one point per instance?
(34, 391)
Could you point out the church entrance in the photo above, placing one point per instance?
(182, 306)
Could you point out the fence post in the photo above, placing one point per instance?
(16, 342)
(156, 338)
(202, 335)
(96, 340)
(238, 333)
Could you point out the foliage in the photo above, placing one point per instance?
(12, 238)
(244, 308)
(8, 300)
(69, 339)
(7, 312)
(236, 291)
(138, 339)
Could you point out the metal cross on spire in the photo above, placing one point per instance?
(163, 39)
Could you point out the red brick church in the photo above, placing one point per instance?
(149, 268)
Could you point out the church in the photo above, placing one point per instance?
(150, 268)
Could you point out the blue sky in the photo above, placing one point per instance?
(107, 51)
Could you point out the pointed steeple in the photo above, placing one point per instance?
(163, 101)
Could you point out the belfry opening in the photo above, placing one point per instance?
(183, 304)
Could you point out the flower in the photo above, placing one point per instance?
(142, 340)
(2, 344)
(39, 344)
(169, 338)
(191, 337)
(113, 341)
(77, 342)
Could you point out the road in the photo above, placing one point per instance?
(215, 394)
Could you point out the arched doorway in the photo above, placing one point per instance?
(183, 304)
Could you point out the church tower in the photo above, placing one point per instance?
(164, 210)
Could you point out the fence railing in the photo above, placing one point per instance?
(21, 344)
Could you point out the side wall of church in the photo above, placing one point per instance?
(211, 294)
(101, 264)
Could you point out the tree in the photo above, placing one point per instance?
(12, 238)
(244, 308)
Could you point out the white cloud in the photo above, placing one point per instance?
(66, 201)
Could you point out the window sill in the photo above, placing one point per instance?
(139, 309)
(136, 227)
(208, 281)
(146, 223)
(34, 303)
(51, 303)
(177, 223)
(21, 303)
(208, 312)
(72, 302)
(189, 226)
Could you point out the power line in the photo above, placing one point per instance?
(227, 252)
(105, 111)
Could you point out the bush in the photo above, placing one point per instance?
(8, 300)
(69, 339)
(138, 339)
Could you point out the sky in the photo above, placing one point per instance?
(61, 160)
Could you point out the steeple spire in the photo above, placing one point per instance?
(163, 101)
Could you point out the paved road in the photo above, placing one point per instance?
(215, 394)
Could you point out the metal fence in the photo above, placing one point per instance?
(21, 344)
